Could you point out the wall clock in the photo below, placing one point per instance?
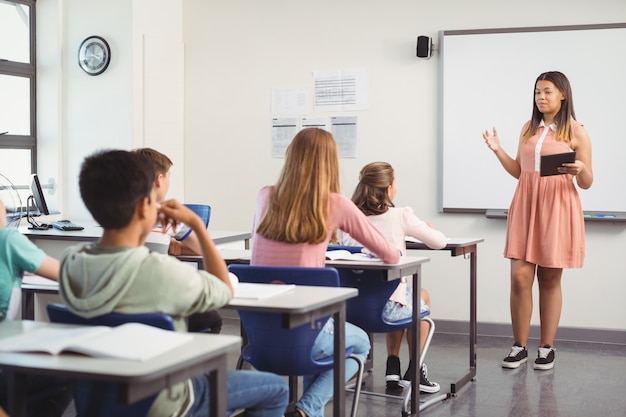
(94, 55)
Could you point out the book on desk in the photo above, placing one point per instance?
(127, 341)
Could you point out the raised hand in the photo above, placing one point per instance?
(492, 140)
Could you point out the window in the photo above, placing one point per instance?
(18, 127)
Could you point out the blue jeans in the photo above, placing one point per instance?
(318, 389)
(261, 394)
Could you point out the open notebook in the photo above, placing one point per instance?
(128, 341)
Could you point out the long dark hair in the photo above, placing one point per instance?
(564, 116)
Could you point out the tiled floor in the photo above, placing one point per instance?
(588, 380)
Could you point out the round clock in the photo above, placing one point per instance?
(94, 55)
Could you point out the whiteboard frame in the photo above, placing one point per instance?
(473, 176)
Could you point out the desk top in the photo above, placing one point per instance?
(451, 243)
(302, 299)
(92, 233)
(201, 348)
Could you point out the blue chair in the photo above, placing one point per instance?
(203, 211)
(366, 310)
(95, 398)
(272, 348)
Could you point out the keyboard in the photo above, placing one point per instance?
(66, 225)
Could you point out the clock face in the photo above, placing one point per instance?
(94, 55)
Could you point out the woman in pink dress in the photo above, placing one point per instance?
(545, 227)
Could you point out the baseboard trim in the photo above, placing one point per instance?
(571, 334)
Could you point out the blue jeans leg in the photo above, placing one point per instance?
(318, 389)
(261, 394)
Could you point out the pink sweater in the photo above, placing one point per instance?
(344, 215)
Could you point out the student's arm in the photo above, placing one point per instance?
(419, 229)
(213, 262)
(3, 217)
(189, 246)
(49, 268)
(510, 165)
(353, 221)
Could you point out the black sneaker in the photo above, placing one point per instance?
(517, 356)
(426, 385)
(545, 358)
(392, 375)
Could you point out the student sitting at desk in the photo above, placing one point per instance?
(207, 321)
(294, 222)
(119, 274)
(18, 254)
(374, 195)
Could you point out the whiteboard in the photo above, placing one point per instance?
(487, 79)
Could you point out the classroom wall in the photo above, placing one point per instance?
(235, 53)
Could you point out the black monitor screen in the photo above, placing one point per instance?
(40, 201)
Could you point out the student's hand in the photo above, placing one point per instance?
(492, 140)
(175, 248)
(171, 212)
(3, 215)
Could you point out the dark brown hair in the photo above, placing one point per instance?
(371, 195)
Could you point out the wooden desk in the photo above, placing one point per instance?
(408, 265)
(306, 304)
(462, 246)
(135, 379)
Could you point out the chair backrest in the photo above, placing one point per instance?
(366, 309)
(59, 313)
(98, 399)
(271, 347)
(203, 211)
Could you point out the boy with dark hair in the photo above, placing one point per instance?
(118, 273)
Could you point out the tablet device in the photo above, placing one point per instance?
(550, 163)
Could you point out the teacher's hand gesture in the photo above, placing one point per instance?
(492, 140)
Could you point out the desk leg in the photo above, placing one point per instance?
(16, 394)
(28, 305)
(339, 399)
(217, 387)
(473, 330)
(415, 340)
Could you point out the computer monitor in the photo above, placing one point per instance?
(39, 201)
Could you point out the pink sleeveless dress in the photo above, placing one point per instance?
(545, 223)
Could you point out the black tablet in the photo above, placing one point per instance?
(550, 163)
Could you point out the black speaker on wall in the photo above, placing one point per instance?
(424, 46)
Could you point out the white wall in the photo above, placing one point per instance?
(235, 52)
(137, 101)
